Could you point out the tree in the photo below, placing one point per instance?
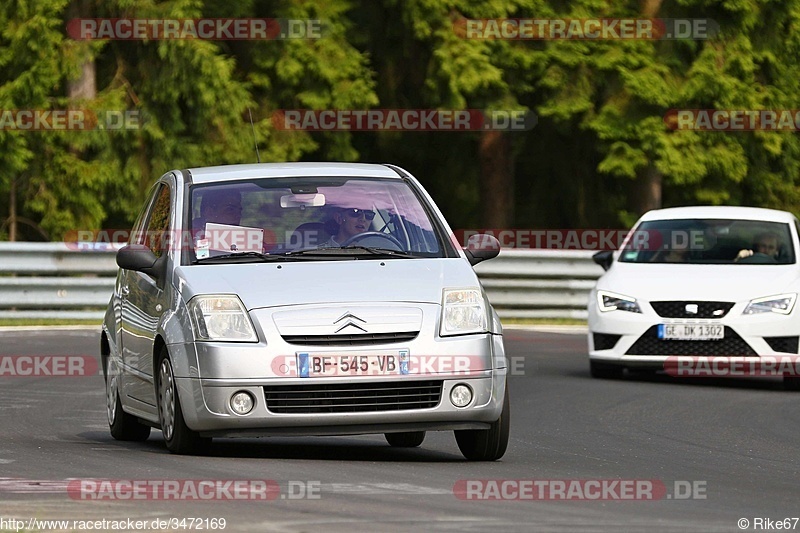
(622, 90)
(425, 60)
(190, 96)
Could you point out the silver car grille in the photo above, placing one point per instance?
(353, 397)
(359, 339)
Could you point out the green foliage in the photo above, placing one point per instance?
(601, 104)
(622, 90)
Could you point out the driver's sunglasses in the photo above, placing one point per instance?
(355, 213)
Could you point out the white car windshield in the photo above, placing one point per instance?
(709, 241)
(305, 216)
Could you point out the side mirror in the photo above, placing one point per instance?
(481, 247)
(138, 257)
(604, 259)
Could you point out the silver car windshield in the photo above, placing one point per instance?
(709, 241)
(310, 218)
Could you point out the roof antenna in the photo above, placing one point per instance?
(255, 141)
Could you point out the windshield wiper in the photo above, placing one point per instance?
(380, 251)
(247, 257)
(346, 251)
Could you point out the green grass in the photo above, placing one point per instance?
(543, 321)
(48, 322)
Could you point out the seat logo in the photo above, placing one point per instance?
(349, 319)
(691, 309)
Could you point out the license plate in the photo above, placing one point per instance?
(691, 332)
(312, 365)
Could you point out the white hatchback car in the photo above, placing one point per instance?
(301, 299)
(718, 282)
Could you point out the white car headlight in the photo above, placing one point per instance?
(781, 304)
(463, 311)
(221, 318)
(610, 301)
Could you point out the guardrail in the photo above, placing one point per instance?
(539, 283)
(53, 280)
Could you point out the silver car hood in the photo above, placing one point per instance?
(323, 282)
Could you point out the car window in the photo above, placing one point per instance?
(155, 236)
(709, 241)
(137, 233)
(291, 214)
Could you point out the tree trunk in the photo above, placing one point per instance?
(649, 8)
(12, 212)
(647, 190)
(84, 87)
(496, 180)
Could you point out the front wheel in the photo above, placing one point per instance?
(177, 435)
(486, 444)
(122, 425)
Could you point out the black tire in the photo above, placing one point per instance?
(177, 435)
(407, 439)
(122, 425)
(486, 444)
(791, 383)
(605, 371)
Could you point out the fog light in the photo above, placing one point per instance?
(461, 395)
(242, 403)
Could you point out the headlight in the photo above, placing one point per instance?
(221, 318)
(463, 311)
(781, 304)
(609, 301)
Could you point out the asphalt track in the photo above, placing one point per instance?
(721, 450)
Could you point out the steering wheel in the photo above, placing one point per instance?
(758, 257)
(361, 237)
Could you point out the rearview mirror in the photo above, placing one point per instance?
(302, 200)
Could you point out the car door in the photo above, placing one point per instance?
(143, 305)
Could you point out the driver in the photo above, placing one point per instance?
(767, 243)
(351, 221)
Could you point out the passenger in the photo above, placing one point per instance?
(677, 253)
(221, 207)
(674, 255)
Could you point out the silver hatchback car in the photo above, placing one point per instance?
(301, 299)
